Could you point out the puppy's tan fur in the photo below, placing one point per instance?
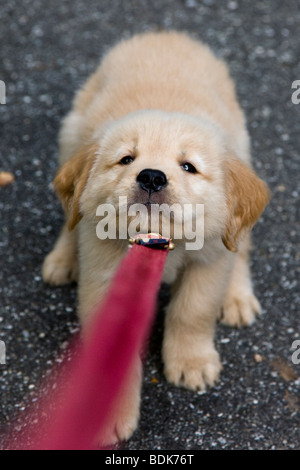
(165, 99)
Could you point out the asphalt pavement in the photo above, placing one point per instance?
(47, 50)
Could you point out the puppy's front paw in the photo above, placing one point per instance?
(240, 309)
(120, 428)
(125, 414)
(194, 372)
(59, 269)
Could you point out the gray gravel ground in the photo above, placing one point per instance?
(47, 49)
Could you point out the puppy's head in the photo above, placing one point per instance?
(157, 158)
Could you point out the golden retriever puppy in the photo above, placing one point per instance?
(159, 123)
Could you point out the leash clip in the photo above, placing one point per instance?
(152, 240)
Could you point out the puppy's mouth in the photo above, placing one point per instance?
(149, 202)
(150, 198)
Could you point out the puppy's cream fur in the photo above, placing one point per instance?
(165, 99)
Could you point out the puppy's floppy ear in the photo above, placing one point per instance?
(247, 195)
(71, 179)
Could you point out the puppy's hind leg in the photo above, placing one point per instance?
(240, 306)
(61, 265)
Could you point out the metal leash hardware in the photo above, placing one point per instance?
(152, 240)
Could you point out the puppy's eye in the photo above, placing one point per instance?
(126, 160)
(188, 167)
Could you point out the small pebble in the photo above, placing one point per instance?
(258, 358)
(6, 178)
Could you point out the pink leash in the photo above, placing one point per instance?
(117, 335)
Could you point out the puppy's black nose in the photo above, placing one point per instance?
(152, 180)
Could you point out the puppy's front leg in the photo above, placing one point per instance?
(189, 354)
(61, 265)
(124, 417)
(99, 260)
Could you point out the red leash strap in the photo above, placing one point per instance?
(121, 326)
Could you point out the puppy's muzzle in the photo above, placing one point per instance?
(152, 180)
